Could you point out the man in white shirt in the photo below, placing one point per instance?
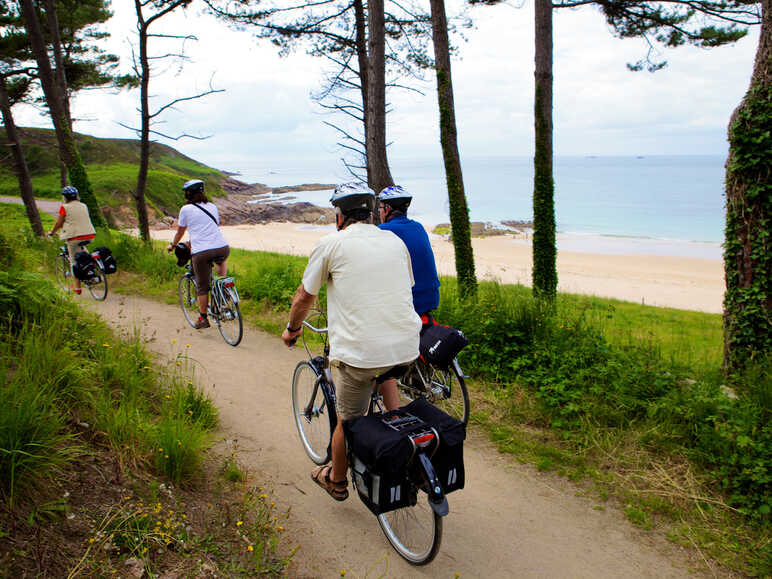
(373, 327)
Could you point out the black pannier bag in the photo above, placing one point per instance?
(440, 344)
(83, 266)
(379, 450)
(448, 460)
(108, 260)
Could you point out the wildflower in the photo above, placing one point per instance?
(190, 412)
(190, 383)
(264, 496)
(160, 450)
(105, 345)
(280, 528)
(250, 548)
(91, 539)
(174, 340)
(146, 367)
(239, 523)
(187, 345)
(166, 456)
(273, 504)
(179, 443)
(342, 572)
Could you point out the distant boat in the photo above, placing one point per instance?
(640, 157)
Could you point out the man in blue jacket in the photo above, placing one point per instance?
(392, 204)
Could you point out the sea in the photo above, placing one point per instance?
(648, 204)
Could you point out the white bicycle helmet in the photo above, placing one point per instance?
(351, 196)
(192, 187)
(395, 197)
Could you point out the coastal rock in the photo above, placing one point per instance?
(489, 229)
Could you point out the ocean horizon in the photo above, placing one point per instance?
(615, 204)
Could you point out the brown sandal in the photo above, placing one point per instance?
(336, 489)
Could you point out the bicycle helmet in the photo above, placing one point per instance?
(70, 193)
(351, 197)
(395, 197)
(192, 188)
(182, 252)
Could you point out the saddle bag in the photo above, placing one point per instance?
(108, 260)
(380, 452)
(440, 344)
(83, 267)
(448, 459)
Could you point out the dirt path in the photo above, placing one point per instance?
(509, 521)
(47, 206)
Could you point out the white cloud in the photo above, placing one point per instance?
(600, 107)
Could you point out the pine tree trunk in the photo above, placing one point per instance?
(748, 242)
(144, 142)
(68, 151)
(459, 212)
(59, 72)
(20, 163)
(545, 276)
(378, 173)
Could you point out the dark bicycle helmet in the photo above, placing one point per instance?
(350, 197)
(182, 251)
(192, 188)
(395, 197)
(70, 193)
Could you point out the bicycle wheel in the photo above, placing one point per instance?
(312, 414)
(414, 532)
(445, 388)
(188, 299)
(62, 271)
(229, 320)
(97, 286)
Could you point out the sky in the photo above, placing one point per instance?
(266, 114)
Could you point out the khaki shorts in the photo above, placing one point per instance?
(353, 387)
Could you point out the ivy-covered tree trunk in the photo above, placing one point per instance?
(459, 211)
(748, 235)
(68, 151)
(545, 275)
(144, 141)
(59, 73)
(19, 162)
(378, 173)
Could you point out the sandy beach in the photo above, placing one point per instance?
(690, 283)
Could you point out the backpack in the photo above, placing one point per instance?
(440, 344)
(83, 267)
(108, 260)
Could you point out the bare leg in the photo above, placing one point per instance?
(390, 393)
(339, 461)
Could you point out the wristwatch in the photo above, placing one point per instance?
(294, 329)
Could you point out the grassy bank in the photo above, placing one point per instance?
(627, 400)
(103, 449)
(112, 166)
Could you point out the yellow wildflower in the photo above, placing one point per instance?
(239, 523)
(250, 548)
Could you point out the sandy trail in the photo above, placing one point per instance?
(509, 521)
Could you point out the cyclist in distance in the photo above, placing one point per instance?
(200, 218)
(76, 227)
(372, 325)
(393, 203)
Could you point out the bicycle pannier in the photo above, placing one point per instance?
(108, 260)
(448, 460)
(83, 266)
(440, 344)
(379, 452)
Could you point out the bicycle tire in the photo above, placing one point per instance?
(414, 532)
(229, 320)
(188, 296)
(443, 387)
(311, 410)
(98, 289)
(62, 271)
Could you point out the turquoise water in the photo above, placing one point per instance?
(678, 198)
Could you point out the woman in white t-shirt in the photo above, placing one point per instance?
(201, 219)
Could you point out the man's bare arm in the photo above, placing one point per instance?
(301, 305)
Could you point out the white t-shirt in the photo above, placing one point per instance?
(204, 233)
(370, 312)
